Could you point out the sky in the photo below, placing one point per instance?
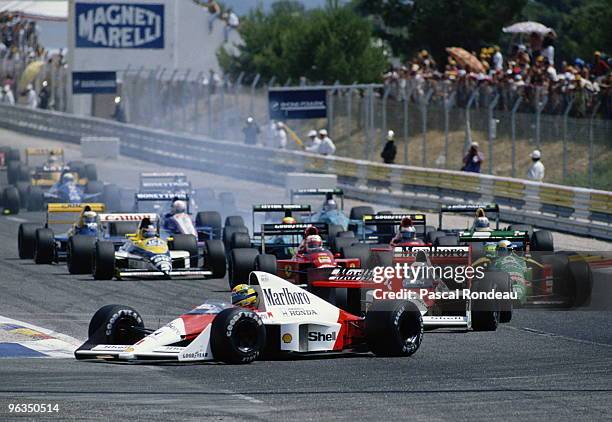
(242, 7)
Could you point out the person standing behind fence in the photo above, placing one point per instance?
(313, 146)
(31, 97)
(390, 150)
(536, 170)
(281, 136)
(327, 146)
(473, 159)
(250, 130)
(43, 96)
(7, 95)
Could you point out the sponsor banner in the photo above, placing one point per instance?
(297, 104)
(119, 25)
(94, 82)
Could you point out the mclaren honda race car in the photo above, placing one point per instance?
(286, 319)
(146, 254)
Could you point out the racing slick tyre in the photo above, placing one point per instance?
(341, 243)
(562, 281)
(228, 232)
(348, 234)
(210, 219)
(240, 240)
(357, 213)
(94, 187)
(24, 173)
(580, 272)
(80, 254)
(77, 167)
(44, 246)
(234, 221)
(111, 196)
(187, 243)
(446, 241)
(266, 263)
(13, 154)
(486, 313)
(478, 250)
(35, 199)
(116, 324)
(522, 228)
(12, 172)
(23, 188)
(237, 336)
(241, 263)
(360, 251)
(214, 257)
(431, 237)
(104, 261)
(333, 231)
(91, 172)
(26, 240)
(394, 328)
(542, 240)
(11, 200)
(381, 258)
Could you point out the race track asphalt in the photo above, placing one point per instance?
(544, 365)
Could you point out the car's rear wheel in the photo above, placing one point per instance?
(11, 200)
(35, 200)
(266, 263)
(357, 213)
(542, 241)
(394, 328)
(360, 251)
(81, 254)
(104, 261)
(237, 336)
(187, 243)
(94, 186)
(44, 249)
(234, 221)
(91, 172)
(229, 231)
(210, 219)
(241, 263)
(214, 257)
(486, 313)
(26, 239)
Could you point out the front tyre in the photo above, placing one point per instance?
(237, 336)
(394, 328)
(104, 261)
(116, 324)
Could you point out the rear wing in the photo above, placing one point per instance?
(388, 221)
(327, 192)
(288, 209)
(432, 251)
(126, 217)
(290, 230)
(464, 208)
(37, 152)
(175, 175)
(156, 196)
(515, 236)
(70, 209)
(165, 185)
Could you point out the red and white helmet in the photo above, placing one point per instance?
(314, 242)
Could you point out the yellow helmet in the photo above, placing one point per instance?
(244, 295)
(289, 220)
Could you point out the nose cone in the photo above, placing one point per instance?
(165, 267)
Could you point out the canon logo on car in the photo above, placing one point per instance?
(285, 297)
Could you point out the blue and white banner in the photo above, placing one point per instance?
(94, 82)
(297, 104)
(119, 25)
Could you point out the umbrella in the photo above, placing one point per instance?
(527, 28)
(30, 73)
(465, 59)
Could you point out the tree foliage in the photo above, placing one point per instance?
(328, 44)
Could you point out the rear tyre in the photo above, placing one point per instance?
(394, 328)
(12, 172)
(266, 263)
(187, 243)
(116, 324)
(580, 272)
(214, 257)
(11, 200)
(13, 154)
(23, 188)
(357, 213)
(94, 187)
(44, 249)
(104, 261)
(446, 241)
(359, 251)
(343, 242)
(26, 240)
(77, 167)
(237, 336)
(91, 172)
(432, 236)
(240, 240)
(542, 241)
(486, 314)
(81, 254)
(210, 219)
(241, 263)
(234, 221)
(229, 231)
(35, 199)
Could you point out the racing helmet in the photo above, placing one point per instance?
(480, 212)
(244, 295)
(67, 178)
(504, 247)
(89, 217)
(406, 223)
(481, 224)
(147, 229)
(289, 220)
(179, 206)
(52, 159)
(314, 242)
(311, 231)
(330, 205)
(408, 233)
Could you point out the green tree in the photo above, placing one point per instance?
(326, 45)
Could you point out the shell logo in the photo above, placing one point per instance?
(352, 265)
(287, 338)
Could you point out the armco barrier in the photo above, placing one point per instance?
(574, 210)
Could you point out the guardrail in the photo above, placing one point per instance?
(561, 208)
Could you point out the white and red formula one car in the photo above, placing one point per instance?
(287, 319)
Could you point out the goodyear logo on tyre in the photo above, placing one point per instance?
(119, 25)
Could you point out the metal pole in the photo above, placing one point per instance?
(224, 83)
(196, 103)
(384, 110)
(448, 104)
(424, 108)
(407, 93)
(468, 127)
(366, 119)
(372, 127)
(330, 111)
(349, 113)
(491, 106)
(539, 107)
(591, 144)
(515, 107)
(566, 112)
(253, 85)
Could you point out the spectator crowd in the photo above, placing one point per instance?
(530, 71)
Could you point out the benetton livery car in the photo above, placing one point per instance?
(287, 319)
